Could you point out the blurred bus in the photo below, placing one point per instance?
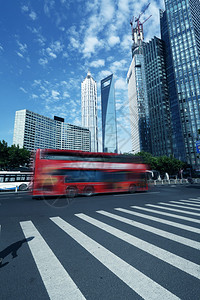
(15, 180)
(71, 173)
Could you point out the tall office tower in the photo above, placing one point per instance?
(33, 131)
(137, 94)
(108, 109)
(180, 29)
(158, 97)
(89, 109)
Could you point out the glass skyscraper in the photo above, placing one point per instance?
(180, 30)
(137, 94)
(108, 110)
(158, 97)
(89, 109)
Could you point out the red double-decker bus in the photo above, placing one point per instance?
(71, 173)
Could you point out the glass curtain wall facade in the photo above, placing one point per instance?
(158, 97)
(33, 131)
(177, 133)
(182, 25)
(138, 103)
(109, 125)
(89, 109)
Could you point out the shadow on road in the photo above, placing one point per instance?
(12, 249)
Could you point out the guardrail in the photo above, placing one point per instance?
(173, 181)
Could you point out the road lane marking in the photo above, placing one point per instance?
(164, 255)
(167, 214)
(57, 281)
(163, 221)
(175, 205)
(189, 204)
(162, 233)
(136, 280)
(173, 209)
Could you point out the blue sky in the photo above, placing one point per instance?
(47, 47)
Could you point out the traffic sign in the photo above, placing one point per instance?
(198, 146)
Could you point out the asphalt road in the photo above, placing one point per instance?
(118, 246)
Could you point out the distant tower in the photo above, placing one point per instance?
(109, 126)
(137, 91)
(89, 109)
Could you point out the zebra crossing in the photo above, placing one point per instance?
(182, 227)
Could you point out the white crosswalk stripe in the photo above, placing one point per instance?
(165, 234)
(175, 205)
(172, 259)
(167, 214)
(173, 209)
(190, 201)
(57, 281)
(196, 199)
(187, 204)
(163, 221)
(60, 285)
(141, 284)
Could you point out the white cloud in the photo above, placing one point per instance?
(20, 55)
(33, 15)
(66, 95)
(90, 44)
(22, 47)
(98, 63)
(121, 84)
(55, 94)
(113, 40)
(23, 90)
(34, 96)
(75, 43)
(43, 61)
(107, 10)
(50, 53)
(24, 8)
(103, 74)
(118, 65)
(57, 46)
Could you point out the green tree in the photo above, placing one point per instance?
(163, 164)
(13, 156)
(3, 154)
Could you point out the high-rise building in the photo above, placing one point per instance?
(180, 29)
(33, 131)
(158, 97)
(137, 94)
(108, 109)
(89, 109)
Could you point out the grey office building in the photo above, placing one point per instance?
(108, 109)
(158, 97)
(180, 30)
(33, 131)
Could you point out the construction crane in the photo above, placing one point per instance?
(137, 32)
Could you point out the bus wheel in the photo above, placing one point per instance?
(23, 187)
(88, 191)
(71, 192)
(132, 188)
